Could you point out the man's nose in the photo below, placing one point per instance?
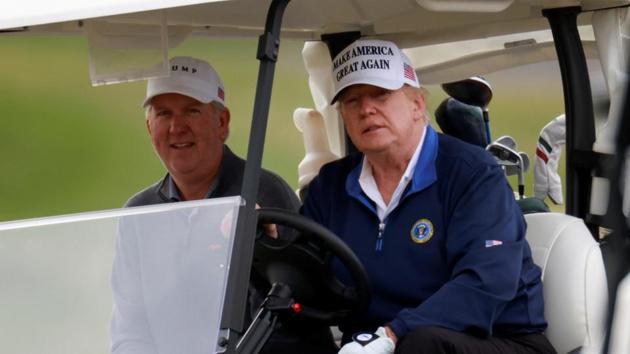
(178, 123)
(366, 105)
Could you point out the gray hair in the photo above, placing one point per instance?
(217, 106)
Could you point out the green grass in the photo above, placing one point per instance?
(68, 147)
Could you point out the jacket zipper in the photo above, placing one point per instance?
(379, 237)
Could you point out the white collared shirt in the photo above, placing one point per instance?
(369, 187)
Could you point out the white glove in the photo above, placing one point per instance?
(369, 343)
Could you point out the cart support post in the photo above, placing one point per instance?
(578, 103)
(242, 254)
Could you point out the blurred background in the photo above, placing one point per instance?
(68, 147)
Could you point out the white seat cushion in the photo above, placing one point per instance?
(574, 279)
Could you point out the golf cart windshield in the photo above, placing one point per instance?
(170, 261)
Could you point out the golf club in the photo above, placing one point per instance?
(522, 170)
(510, 161)
(507, 141)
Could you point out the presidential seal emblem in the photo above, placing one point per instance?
(422, 231)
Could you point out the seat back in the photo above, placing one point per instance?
(574, 279)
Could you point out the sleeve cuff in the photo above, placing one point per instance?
(398, 327)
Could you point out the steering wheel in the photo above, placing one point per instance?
(303, 262)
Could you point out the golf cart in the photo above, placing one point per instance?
(447, 41)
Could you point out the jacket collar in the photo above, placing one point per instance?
(424, 175)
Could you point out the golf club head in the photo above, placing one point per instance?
(507, 141)
(525, 160)
(507, 158)
(474, 91)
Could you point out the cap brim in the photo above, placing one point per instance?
(200, 98)
(378, 82)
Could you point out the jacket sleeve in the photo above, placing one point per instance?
(485, 240)
(274, 192)
(129, 327)
(312, 207)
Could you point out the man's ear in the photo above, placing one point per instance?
(224, 121)
(419, 107)
(148, 125)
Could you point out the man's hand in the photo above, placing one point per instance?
(370, 343)
(270, 229)
(391, 334)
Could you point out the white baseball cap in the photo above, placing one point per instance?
(373, 62)
(190, 77)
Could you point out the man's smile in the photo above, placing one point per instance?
(179, 146)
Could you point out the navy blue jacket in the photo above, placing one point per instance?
(452, 254)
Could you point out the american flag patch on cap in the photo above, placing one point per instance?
(221, 94)
(492, 243)
(409, 72)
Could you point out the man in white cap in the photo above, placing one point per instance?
(188, 123)
(431, 218)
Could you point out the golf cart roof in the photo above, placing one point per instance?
(451, 39)
(409, 23)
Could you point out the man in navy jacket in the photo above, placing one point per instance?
(432, 219)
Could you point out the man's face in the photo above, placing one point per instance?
(378, 119)
(187, 135)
